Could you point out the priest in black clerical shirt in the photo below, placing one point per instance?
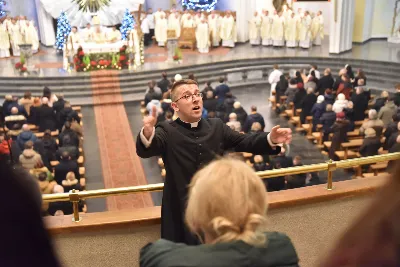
(187, 144)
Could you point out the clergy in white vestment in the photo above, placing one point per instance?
(184, 17)
(198, 18)
(7, 22)
(134, 42)
(99, 36)
(189, 22)
(305, 31)
(317, 29)
(114, 35)
(158, 14)
(274, 78)
(4, 41)
(174, 24)
(202, 37)
(22, 22)
(213, 25)
(286, 12)
(15, 36)
(255, 29)
(74, 39)
(30, 35)
(291, 31)
(228, 30)
(87, 33)
(278, 30)
(161, 30)
(266, 28)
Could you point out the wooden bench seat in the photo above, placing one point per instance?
(379, 167)
(247, 155)
(342, 155)
(76, 108)
(56, 162)
(41, 134)
(295, 121)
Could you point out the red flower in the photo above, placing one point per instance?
(122, 58)
(18, 65)
(93, 63)
(23, 69)
(81, 53)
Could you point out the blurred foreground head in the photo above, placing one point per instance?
(227, 202)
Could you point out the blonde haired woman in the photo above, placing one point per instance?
(228, 215)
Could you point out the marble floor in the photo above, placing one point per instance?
(49, 61)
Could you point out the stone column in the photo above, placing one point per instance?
(342, 22)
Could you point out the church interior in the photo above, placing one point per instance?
(81, 82)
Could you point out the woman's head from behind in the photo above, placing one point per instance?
(228, 209)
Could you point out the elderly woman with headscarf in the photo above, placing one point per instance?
(340, 103)
(228, 215)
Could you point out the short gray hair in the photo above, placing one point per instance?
(372, 114)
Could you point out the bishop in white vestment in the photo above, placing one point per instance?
(291, 31)
(317, 29)
(189, 22)
(87, 34)
(185, 16)
(134, 43)
(278, 30)
(266, 28)
(161, 30)
(4, 41)
(305, 31)
(158, 14)
(255, 29)
(228, 30)
(16, 36)
(202, 37)
(213, 25)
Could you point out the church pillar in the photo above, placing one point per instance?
(342, 21)
(45, 25)
(364, 11)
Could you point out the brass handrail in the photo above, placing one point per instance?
(329, 166)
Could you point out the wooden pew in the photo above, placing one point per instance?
(80, 162)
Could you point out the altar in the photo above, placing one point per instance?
(92, 48)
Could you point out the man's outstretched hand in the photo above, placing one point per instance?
(280, 135)
(149, 122)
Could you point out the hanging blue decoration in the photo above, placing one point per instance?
(63, 30)
(204, 5)
(2, 11)
(127, 24)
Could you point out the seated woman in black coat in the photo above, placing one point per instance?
(317, 110)
(307, 105)
(228, 216)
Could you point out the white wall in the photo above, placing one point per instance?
(325, 7)
(368, 18)
(382, 18)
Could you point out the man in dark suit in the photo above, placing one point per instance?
(327, 120)
(221, 90)
(326, 82)
(163, 83)
(65, 166)
(46, 117)
(360, 103)
(252, 118)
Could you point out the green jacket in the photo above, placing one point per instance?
(278, 252)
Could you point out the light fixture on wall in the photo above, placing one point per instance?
(91, 5)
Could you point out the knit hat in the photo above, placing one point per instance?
(320, 99)
(178, 77)
(340, 115)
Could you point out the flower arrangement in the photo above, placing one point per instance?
(101, 61)
(20, 66)
(177, 55)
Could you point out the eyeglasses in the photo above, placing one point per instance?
(189, 97)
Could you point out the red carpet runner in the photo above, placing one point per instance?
(119, 162)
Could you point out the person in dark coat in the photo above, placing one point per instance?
(50, 145)
(278, 162)
(393, 137)
(221, 90)
(281, 88)
(397, 95)
(240, 112)
(259, 164)
(25, 136)
(7, 105)
(360, 76)
(208, 88)
(371, 143)
(253, 117)
(65, 166)
(33, 112)
(291, 91)
(349, 72)
(68, 146)
(391, 129)
(326, 82)
(296, 180)
(329, 97)
(210, 103)
(59, 104)
(339, 130)
(349, 112)
(298, 78)
(25, 239)
(360, 103)
(327, 120)
(164, 82)
(238, 244)
(306, 106)
(381, 101)
(198, 141)
(317, 110)
(46, 117)
(299, 96)
(68, 132)
(15, 118)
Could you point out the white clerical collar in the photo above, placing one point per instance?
(192, 124)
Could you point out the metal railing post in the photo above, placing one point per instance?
(331, 169)
(74, 198)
